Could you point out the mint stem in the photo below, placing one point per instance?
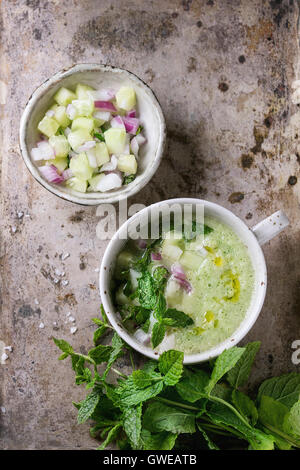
(176, 403)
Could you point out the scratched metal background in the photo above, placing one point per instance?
(222, 70)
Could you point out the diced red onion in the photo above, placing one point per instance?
(71, 111)
(86, 146)
(66, 174)
(102, 115)
(126, 150)
(156, 256)
(92, 158)
(50, 113)
(110, 166)
(117, 121)
(50, 173)
(108, 182)
(131, 124)
(102, 95)
(178, 271)
(140, 139)
(131, 114)
(105, 106)
(183, 283)
(142, 337)
(142, 244)
(116, 172)
(43, 151)
(134, 146)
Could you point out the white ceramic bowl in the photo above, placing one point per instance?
(252, 239)
(96, 76)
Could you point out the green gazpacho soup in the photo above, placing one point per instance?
(184, 291)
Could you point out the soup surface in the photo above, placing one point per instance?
(185, 291)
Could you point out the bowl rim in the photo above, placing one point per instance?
(129, 190)
(211, 353)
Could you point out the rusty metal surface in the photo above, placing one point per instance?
(222, 71)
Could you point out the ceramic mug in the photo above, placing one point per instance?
(253, 238)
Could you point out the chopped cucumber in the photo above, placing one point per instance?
(121, 297)
(83, 123)
(171, 252)
(83, 107)
(61, 116)
(115, 140)
(60, 144)
(82, 91)
(82, 138)
(126, 98)
(77, 138)
(124, 260)
(80, 167)
(190, 260)
(173, 237)
(101, 153)
(48, 126)
(128, 164)
(64, 96)
(173, 293)
(53, 107)
(77, 184)
(94, 181)
(60, 163)
(98, 122)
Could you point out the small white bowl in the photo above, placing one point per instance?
(252, 238)
(96, 76)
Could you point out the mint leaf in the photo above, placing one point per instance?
(160, 417)
(160, 441)
(223, 364)
(160, 275)
(279, 420)
(272, 412)
(291, 422)
(132, 424)
(146, 291)
(116, 351)
(241, 371)
(192, 388)
(176, 318)
(129, 395)
(63, 356)
(211, 445)
(160, 307)
(64, 346)
(99, 332)
(158, 333)
(285, 389)
(111, 436)
(128, 179)
(100, 353)
(222, 415)
(104, 316)
(170, 364)
(245, 406)
(87, 407)
(141, 379)
(99, 136)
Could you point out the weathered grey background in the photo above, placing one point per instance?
(222, 71)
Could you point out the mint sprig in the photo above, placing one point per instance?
(154, 407)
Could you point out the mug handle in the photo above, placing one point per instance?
(270, 227)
